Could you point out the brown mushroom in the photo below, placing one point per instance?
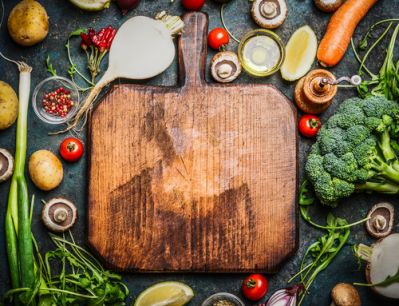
(345, 295)
(225, 67)
(269, 14)
(59, 215)
(6, 165)
(380, 222)
(328, 6)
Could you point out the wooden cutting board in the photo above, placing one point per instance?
(199, 177)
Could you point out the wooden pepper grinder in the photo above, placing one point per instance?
(315, 92)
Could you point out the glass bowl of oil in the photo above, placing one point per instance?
(261, 52)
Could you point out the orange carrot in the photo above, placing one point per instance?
(340, 30)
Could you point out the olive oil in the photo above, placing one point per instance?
(262, 53)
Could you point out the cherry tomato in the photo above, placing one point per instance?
(71, 149)
(254, 287)
(218, 38)
(309, 125)
(193, 5)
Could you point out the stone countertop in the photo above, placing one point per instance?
(64, 18)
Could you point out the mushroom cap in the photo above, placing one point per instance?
(225, 67)
(269, 14)
(345, 295)
(59, 215)
(6, 165)
(381, 219)
(328, 6)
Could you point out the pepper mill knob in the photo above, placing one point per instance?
(315, 92)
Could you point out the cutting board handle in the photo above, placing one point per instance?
(192, 49)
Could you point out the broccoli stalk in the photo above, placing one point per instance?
(387, 188)
(387, 149)
(379, 166)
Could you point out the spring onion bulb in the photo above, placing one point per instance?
(285, 297)
(142, 48)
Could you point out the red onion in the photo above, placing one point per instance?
(127, 5)
(285, 297)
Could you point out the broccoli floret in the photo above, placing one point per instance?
(353, 151)
(344, 167)
(357, 134)
(347, 118)
(333, 141)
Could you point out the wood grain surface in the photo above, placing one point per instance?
(199, 177)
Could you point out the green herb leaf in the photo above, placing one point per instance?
(306, 198)
(331, 221)
(50, 67)
(77, 32)
(364, 42)
(392, 279)
(72, 70)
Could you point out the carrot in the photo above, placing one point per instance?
(340, 30)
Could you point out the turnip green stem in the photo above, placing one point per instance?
(364, 252)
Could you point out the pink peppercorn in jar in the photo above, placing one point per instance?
(55, 100)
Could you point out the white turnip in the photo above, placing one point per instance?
(383, 265)
(142, 48)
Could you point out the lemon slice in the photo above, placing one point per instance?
(300, 54)
(91, 5)
(165, 294)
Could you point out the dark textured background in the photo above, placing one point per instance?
(65, 18)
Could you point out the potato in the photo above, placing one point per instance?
(45, 170)
(8, 106)
(28, 23)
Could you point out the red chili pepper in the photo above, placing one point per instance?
(107, 36)
(100, 41)
(86, 42)
(85, 39)
(111, 38)
(91, 33)
(98, 38)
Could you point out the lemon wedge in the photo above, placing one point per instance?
(300, 54)
(91, 5)
(165, 294)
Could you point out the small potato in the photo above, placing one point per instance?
(8, 106)
(45, 170)
(28, 23)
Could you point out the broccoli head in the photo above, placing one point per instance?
(353, 151)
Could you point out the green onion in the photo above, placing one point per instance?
(18, 224)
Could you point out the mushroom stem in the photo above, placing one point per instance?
(60, 215)
(379, 223)
(224, 71)
(269, 10)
